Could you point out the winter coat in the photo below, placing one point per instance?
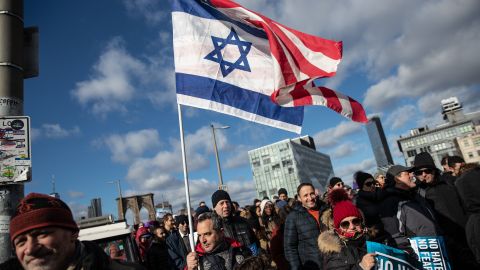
(239, 229)
(224, 257)
(340, 254)
(468, 185)
(11, 264)
(276, 248)
(369, 204)
(300, 240)
(176, 250)
(157, 256)
(403, 215)
(445, 201)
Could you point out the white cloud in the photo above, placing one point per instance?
(402, 115)
(54, 131)
(344, 150)
(346, 172)
(331, 136)
(133, 144)
(75, 194)
(238, 157)
(113, 80)
(427, 61)
(149, 9)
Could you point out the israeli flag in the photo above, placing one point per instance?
(225, 65)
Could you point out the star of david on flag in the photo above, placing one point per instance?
(217, 54)
(238, 62)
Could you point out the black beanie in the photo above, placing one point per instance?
(360, 178)
(424, 160)
(218, 196)
(282, 191)
(334, 180)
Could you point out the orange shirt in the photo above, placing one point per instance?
(315, 214)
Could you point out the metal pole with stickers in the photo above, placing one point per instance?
(18, 60)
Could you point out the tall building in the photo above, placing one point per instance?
(95, 208)
(380, 149)
(469, 146)
(442, 140)
(287, 164)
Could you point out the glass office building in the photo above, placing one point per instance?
(287, 164)
(380, 149)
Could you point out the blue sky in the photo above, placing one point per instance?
(103, 107)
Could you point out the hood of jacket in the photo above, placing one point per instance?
(329, 242)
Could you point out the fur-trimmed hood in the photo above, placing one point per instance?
(329, 242)
(326, 218)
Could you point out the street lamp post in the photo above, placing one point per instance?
(220, 179)
(120, 201)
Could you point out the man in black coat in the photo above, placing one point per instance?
(444, 200)
(468, 185)
(214, 251)
(234, 227)
(302, 229)
(178, 243)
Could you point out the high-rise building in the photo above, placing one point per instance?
(442, 140)
(469, 146)
(95, 208)
(287, 164)
(380, 148)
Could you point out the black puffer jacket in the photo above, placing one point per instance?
(238, 228)
(341, 255)
(300, 240)
(444, 200)
(369, 203)
(469, 190)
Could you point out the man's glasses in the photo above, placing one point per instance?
(346, 224)
(369, 184)
(420, 172)
(339, 184)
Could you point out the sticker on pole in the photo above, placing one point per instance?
(15, 149)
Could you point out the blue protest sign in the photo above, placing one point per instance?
(431, 252)
(389, 258)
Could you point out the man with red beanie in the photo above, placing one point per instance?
(344, 246)
(45, 236)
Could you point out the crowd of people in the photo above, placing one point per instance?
(308, 231)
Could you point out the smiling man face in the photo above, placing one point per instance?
(49, 248)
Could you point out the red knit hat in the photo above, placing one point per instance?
(40, 210)
(342, 206)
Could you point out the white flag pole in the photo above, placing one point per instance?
(185, 176)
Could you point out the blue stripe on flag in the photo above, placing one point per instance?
(234, 96)
(205, 11)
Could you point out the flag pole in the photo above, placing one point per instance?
(185, 177)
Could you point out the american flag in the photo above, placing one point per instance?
(300, 59)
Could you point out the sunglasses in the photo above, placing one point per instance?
(420, 172)
(346, 224)
(369, 184)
